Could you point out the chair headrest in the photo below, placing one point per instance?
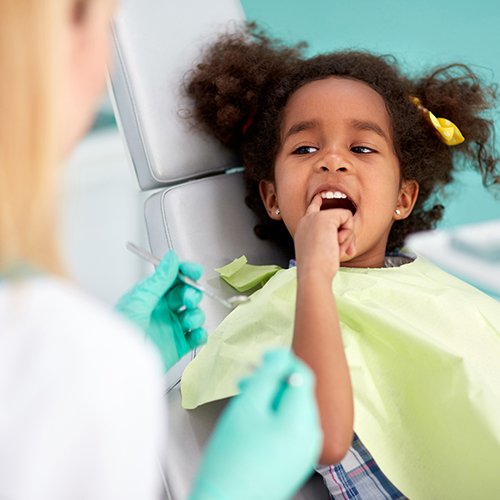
(156, 44)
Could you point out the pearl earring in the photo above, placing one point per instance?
(277, 211)
(397, 211)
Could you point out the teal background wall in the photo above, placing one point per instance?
(420, 34)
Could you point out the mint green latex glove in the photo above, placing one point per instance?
(268, 440)
(167, 310)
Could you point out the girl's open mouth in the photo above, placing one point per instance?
(337, 199)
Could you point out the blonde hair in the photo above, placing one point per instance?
(30, 49)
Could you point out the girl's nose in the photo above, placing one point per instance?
(337, 168)
(333, 163)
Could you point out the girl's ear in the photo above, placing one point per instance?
(406, 200)
(268, 195)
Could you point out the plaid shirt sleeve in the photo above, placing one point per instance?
(358, 477)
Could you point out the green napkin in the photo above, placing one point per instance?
(243, 276)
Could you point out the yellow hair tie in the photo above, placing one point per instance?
(447, 130)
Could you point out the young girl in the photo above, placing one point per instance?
(342, 155)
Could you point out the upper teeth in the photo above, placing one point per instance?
(332, 194)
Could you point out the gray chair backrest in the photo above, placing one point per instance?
(197, 207)
(157, 43)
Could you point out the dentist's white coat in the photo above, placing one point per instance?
(75, 382)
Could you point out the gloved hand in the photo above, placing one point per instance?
(268, 440)
(166, 309)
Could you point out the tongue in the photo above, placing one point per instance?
(329, 203)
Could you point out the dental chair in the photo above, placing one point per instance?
(196, 206)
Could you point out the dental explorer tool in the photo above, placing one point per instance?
(230, 302)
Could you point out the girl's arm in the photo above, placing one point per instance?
(320, 239)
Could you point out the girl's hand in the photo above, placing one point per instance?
(322, 239)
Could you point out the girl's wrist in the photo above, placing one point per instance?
(314, 277)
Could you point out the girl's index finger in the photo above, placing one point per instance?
(315, 205)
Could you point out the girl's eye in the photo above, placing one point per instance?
(305, 150)
(362, 150)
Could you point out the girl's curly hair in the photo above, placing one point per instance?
(240, 91)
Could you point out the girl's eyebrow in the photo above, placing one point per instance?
(300, 127)
(370, 126)
(354, 123)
